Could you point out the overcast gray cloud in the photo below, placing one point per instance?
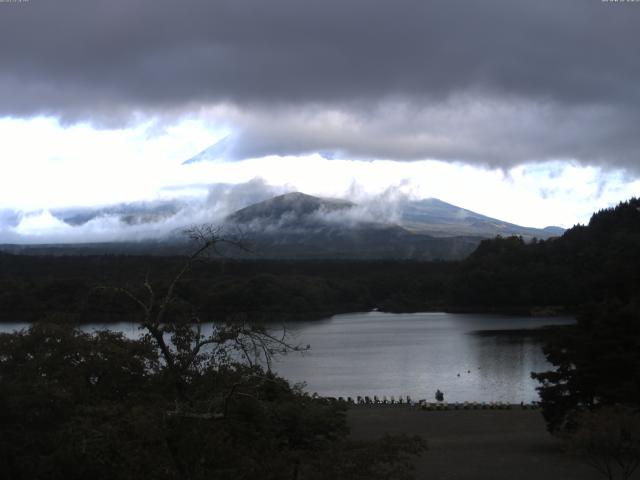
(489, 131)
(495, 82)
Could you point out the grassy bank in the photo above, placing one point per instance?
(475, 444)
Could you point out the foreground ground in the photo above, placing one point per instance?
(476, 444)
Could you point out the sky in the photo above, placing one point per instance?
(527, 111)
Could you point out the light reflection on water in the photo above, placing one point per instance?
(415, 354)
(387, 354)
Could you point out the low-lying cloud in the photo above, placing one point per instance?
(131, 222)
(168, 219)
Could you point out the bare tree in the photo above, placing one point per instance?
(183, 345)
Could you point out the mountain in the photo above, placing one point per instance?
(136, 213)
(429, 216)
(221, 150)
(442, 219)
(296, 225)
(290, 208)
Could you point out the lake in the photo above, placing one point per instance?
(413, 354)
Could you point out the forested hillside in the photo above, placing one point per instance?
(591, 263)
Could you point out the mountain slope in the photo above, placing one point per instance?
(290, 207)
(221, 150)
(296, 225)
(129, 213)
(439, 218)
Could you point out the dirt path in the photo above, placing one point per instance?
(476, 444)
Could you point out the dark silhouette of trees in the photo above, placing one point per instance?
(608, 439)
(177, 403)
(593, 263)
(597, 363)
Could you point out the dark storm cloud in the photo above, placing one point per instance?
(541, 79)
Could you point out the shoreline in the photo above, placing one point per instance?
(294, 317)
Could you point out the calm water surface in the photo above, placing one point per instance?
(415, 354)
(410, 354)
